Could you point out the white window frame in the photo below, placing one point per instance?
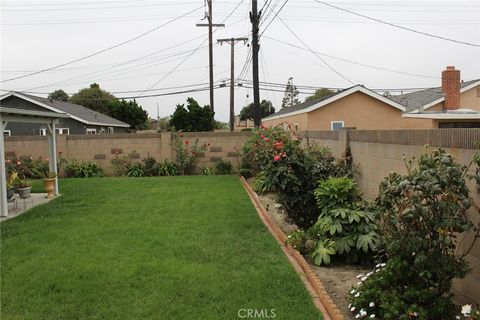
(43, 132)
(7, 133)
(110, 130)
(91, 131)
(335, 122)
(61, 131)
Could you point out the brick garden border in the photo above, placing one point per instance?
(312, 283)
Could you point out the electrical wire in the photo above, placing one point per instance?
(276, 14)
(398, 26)
(103, 50)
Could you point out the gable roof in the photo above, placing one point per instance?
(318, 103)
(75, 111)
(428, 97)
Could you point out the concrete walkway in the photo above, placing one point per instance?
(19, 206)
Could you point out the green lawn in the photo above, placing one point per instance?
(146, 248)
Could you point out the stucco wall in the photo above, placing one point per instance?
(299, 119)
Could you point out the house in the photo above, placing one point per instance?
(240, 125)
(454, 104)
(80, 120)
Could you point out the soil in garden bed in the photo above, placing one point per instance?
(337, 279)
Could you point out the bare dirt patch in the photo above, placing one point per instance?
(337, 279)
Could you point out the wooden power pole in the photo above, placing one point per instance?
(210, 25)
(255, 19)
(232, 79)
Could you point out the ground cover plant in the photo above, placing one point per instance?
(421, 215)
(187, 248)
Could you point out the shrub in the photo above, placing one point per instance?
(168, 168)
(150, 167)
(290, 169)
(223, 167)
(26, 166)
(423, 211)
(344, 227)
(77, 169)
(120, 165)
(186, 154)
(135, 169)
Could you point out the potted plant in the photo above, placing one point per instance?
(12, 179)
(49, 183)
(23, 188)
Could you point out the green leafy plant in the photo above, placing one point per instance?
(150, 167)
(120, 165)
(223, 167)
(135, 169)
(422, 213)
(208, 171)
(345, 227)
(80, 169)
(168, 168)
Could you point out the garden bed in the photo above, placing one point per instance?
(337, 279)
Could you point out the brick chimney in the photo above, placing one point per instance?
(451, 88)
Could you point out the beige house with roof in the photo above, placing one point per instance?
(455, 104)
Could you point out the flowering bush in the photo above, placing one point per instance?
(26, 166)
(186, 153)
(283, 165)
(80, 169)
(422, 212)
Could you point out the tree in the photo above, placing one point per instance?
(129, 112)
(291, 95)
(193, 118)
(319, 93)
(266, 108)
(94, 98)
(59, 95)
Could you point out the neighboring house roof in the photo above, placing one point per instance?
(75, 111)
(318, 103)
(429, 97)
(458, 114)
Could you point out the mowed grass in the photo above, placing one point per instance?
(146, 248)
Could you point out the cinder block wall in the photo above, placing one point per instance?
(103, 148)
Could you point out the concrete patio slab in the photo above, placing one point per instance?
(19, 206)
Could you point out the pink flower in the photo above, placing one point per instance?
(18, 163)
(276, 158)
(8, 161)
(262, 136)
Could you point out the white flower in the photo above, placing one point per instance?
(363, 279)
(353, 291)
(466, 309)
(352, 309)
(369, 274)
(359, 276)
(378, 270)
(371, 304)
(377, 266)
(457, 317)
(383, 265)
(349, 305)
(372, 316)
(363, 312)
(289, 237)
(357, 316)
(357, 295)
(359, 283)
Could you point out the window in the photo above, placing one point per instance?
(110, 130)
(62, 131)
(91, 131)
(101, 131)
(7, 133)
(337, 125)
(43, 132)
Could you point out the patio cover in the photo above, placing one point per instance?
(50, 119)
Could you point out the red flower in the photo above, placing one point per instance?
(276, 158)
(186, 142)
(262, 136)
(278, 145)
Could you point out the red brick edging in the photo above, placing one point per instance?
(316, 289)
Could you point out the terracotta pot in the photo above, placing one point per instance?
(24, 193)
(49, 186)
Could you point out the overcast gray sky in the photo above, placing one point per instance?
(38, 34)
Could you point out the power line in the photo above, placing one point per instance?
(398, 26)
(354, 62)
(103, 50)
(315, 53)
(276, 14)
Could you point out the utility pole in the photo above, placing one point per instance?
(232, 81)
(255, 19)
(210, 24)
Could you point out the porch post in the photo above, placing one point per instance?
(3, 173)
(52, 151)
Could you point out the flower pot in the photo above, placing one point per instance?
(24, 193)
(10, 194)
(49, 186)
